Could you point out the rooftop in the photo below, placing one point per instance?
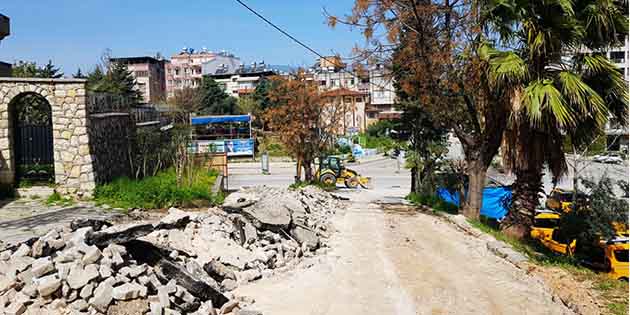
(135, 60)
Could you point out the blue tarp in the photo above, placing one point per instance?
(494, 204)
(202, 120)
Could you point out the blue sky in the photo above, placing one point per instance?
(74, 33)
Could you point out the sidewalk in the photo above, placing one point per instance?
(22, 219)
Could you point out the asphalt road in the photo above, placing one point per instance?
(381, 170)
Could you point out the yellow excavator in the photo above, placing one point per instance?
(331, 171)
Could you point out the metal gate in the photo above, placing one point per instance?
(34, 152)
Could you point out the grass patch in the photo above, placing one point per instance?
(159, 191)
(56, 199)
(432, 201)
(381, 143)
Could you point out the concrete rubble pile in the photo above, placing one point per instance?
(184, 264)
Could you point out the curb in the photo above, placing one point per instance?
(499, 248)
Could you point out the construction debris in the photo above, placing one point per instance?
(183, 264)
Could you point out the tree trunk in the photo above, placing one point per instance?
(414, 175)
(525, 199)
(476, 183)
(298, 171)
(308, 171)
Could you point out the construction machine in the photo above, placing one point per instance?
(331, 171)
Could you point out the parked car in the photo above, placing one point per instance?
(609, 158)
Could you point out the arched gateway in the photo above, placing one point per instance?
(73, 162)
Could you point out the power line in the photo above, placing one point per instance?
(305, 45)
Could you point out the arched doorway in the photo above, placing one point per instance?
(31, 124)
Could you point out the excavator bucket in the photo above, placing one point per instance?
(365, 182)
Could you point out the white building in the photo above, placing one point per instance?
(243, 80)
(616, 134)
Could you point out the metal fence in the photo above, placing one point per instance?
(99, 103)
(108, 103)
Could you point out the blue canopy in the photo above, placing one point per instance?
(495, 200)
(203, 120)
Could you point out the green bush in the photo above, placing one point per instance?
(380, 127)
(432, 201)
(158, 191)
(381, 143)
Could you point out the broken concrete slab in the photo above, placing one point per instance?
(305, 237)
(165, 268)
(48, 285)
(79, 276)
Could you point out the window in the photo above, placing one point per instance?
(234, 79)
(371, 115)
(322, 83)
(546, 223)
(335, 82)
(621, 255)
(358, 99)
(176, 71)
(617, 56)
(142, 74)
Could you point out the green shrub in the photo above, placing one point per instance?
(58, 200)
(380, 127)
(158, 191)
(432, 201)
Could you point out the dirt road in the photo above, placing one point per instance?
(393, 263)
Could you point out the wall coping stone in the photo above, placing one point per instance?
(105, 115)
(42, 80)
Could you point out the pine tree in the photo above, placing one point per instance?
(120, 81)
(79, 75)
(96, 80)
(49, 71)
(214, 100)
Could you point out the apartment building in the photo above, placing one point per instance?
(350, 106)
(382, 95)
(185, 69)
(149, 75)
(617, 134)
(243, 80)
(373, 85)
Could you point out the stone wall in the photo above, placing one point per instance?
(109, 143)
(74, 168)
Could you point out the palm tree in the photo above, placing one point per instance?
(554, 95)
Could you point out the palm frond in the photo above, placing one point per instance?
(582, 96)
(507, 68)
(542, 96)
